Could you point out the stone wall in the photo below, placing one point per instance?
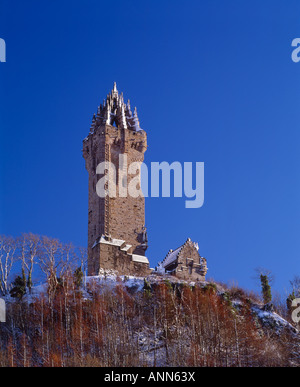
(185, 262)
(190, 265)
(120, 217)
(117, 255)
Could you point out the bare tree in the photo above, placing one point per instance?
(295, 283)
(83, 262)
(8, 248)
(263, 271)
(49, 259)
(56, 260)
(83, 258)
(67, 259)
(29, 248)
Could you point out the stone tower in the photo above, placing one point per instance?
(117, 236)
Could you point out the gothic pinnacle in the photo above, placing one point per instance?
(115, 91)
(114, 110)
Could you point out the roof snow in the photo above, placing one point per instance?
(113, 242)
(171, 257)
(139, 258)
(123, 246)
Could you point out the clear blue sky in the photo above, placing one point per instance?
(213, 81)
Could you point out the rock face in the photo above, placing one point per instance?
(185, 262)
(116, 233)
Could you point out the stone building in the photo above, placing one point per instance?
(117, 237)
(185, 263)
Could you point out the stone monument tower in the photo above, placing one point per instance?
(117, 237)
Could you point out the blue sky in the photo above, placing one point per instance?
(213, 81)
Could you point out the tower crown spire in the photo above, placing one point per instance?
(115, 111)
(115, 90)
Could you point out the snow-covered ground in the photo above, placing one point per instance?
(272, 319)
(108, 280)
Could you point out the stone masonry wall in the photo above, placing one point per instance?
(120, 217)
(113, 258)
(190, 265)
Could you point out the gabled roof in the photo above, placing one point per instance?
(172, 255)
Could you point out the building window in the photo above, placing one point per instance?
(190, 267)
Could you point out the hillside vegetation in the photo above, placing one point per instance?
(121, 321)
(160, 324)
